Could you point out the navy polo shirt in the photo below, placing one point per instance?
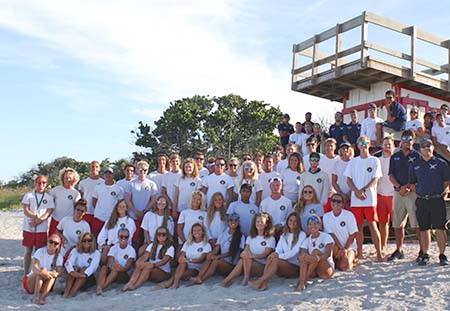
(353, 132)
(399, 165)
(399, 113)
(338, 132)
(285, 127)
(429, 176)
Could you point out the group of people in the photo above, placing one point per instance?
(259, 216)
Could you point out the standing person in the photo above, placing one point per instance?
(369, 124)
(341, 225)
(200, 160)
(308, 117)
(210, 165)
(233, 167)
(327, 163)
(428, 119)
(244, 208)
(218, 182)
(47, 266)
(431, 177)
(104, 198)
(311, 146)
(284, 130)
(353, 131)
(162, 162)
(299, 138)
(277, 155)
(441, 136)
(129, 175)
(83, 262)
(415, 125)
(188, 183)
(385, 193)
(396, 116)
(265, 177)
(338, 130)
(87, 186)
(317, 134)
(404, 201)
(362, 175)
(258, 159)
(171, 179)
(37, 208)
(308, 204)
(283, 164)
(249, 175)
(291, 177)
(338, 181)
(317, 178)
(64, 196)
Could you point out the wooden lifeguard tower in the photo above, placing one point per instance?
(359, 74)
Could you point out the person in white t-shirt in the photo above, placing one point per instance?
(440, 135)
(244, 209)
(233, 169)
(218, 181)
(154, 264)
(216, 218)
(200, 160)
(284, 261)
(284, 164)
(267, 175)
(414, 124)
(259, 245)
(47, 266)
(87, 186)
(317, 178)
(258, 159)
(37, 208)
(291, 177)
(195, 214)
(162, 162)
(385, 193)
(64, 197)
(362, 175)
(308, 204)
(188, 183)
(299, 138)
(81, 265)
(369, 125)
(121, 258)
(171, 179)
(249, 175)
(339, 182)
(129, 175)
(341, 225)
(104, 198)
(316, 258)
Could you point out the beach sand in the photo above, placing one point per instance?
(400, 285)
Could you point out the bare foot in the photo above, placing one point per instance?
(35, 300)
(224, 283)
(195, 280)
(255, 284)
(301, 286)
(42, 301)
(99, 291)
(244, 282)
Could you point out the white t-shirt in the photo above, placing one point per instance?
(170, 181)
(300, 140)
(185, 187)
(72, 230)
(369, 127)
(169, 252)
(385, 186)
(141, 192)
(81, 260)
(264, 180)
(123, 183)
(440, 133)
(291, 184)
(362, 171)
(286, 250)
(189, 217)
(157, 178)
(217, 183)
(64, 201)
(121, 255)
(152, 221)
(278, 209)
(246, 212)
(46, 260)
(256, 187)
(339, 169)
(258, 245)
(216, 227)
(320, 243)
(282, 165)
(109, 236)
(195, 251)
(309, 210)
(327, 165)
(87, 186)
(224, 240)
(203, 172)
(107, 197)
(45, 202)
(341, 226)
(413, 124)
(320, 181)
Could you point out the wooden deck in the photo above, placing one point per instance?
(344, 75)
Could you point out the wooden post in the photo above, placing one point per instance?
(315, 57)
(294, 65)
(413, 35)
(337, 59)
(448, 66)
(364, 34)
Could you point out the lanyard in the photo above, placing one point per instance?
(38, 202)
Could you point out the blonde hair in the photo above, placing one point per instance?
(142, 164)
(93, 246)
(300, 206)
(212, 208)
(194, 171)
(254, 177)
(268, 230)
(202, 201)
(76, 177)
(190, 239)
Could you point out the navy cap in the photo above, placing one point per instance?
(344, 144)
(426, 141)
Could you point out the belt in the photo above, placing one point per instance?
(429, 196)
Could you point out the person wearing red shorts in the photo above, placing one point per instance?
(385, 192)
(362, 175)
(37, 207)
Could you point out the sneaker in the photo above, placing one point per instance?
(396, 255)
(424, 260)
(419, 257)
(443, 260)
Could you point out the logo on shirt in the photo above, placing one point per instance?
(89, 260)
(252, 212)
(113, 193)
(147, 188)
(321, 245)
(432, 166)
(70, 197)
(312, 211)
(342, 223)
(200, 217)
(192, 184)
(122, 225)
(44, 201)
(369, 169)
(411, 159)
(222, 182)
(319, 180)
(263, 243)
(200, 249)
(282, 207)
(78, 232)
(125, 256)
(298, 177)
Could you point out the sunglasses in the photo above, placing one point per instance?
(233, 165)
(314, 159)
(200, 159)
(336, 201)
(248, 168)
(307, 192)
(53, 242)
(161, 234)
(246, 159)
(425, 146)
(87, 240)
(363, 143)
(389, 97)
(310, 144)
(407, 138)
(220, 164)
(42, 183)
(143, 170)
(80, 210)
(414, 112)
(123, 237)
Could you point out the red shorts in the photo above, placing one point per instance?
(96, 225)
(361, 212)
(327, 206)
(34, 239)
(384, 208)
(138, 230)
(89, 218)
(25, 284)
(52, 229)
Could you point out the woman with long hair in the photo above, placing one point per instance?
(284, 261)
(154, 264)
(260, 243)
(291, 176)
(216, 218)
(108, 235)
(196, 213)
(308, 205)
(188, 183)
(249, 175)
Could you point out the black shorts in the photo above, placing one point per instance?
(431, 214)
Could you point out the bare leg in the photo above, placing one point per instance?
(375, 234)
(179, 274)
(219, 266)
(303, 277)
(101, 280)
(69, 284)
(46, 287)
(399, 237)
(104, 258)
(360, 240)
(27, 260)
(202, 272)
(233, 274)
(270, 269)
(247, 266)
(441, 238)
(384, 232)
(110, 278)
(37, 289)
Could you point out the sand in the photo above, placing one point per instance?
(400, 285)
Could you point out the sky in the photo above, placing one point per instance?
(77, 76)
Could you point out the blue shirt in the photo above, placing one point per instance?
(399, 113)
(338, 132)
(399, 165)
(353, 132)
(429, 176)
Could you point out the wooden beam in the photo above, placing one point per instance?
(387, 23)
(353, 84)
(364, 35)
(338, 46)
(413, 53)
(382, 49)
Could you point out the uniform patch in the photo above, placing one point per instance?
(200, 217)
(298, 177)
(282, 207)
(192, 184)
(113, 193)
(70, 197)
(319, 180)
(78, 232)
(222, 182)
(369, 169)
(263, 243)
(45, 201)
(125, 256)
(122, 225)
(321, 245)
(89, 260)
(147, 188)
(200, 249)
(342, 223)
(312, 211)
(252, 212)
